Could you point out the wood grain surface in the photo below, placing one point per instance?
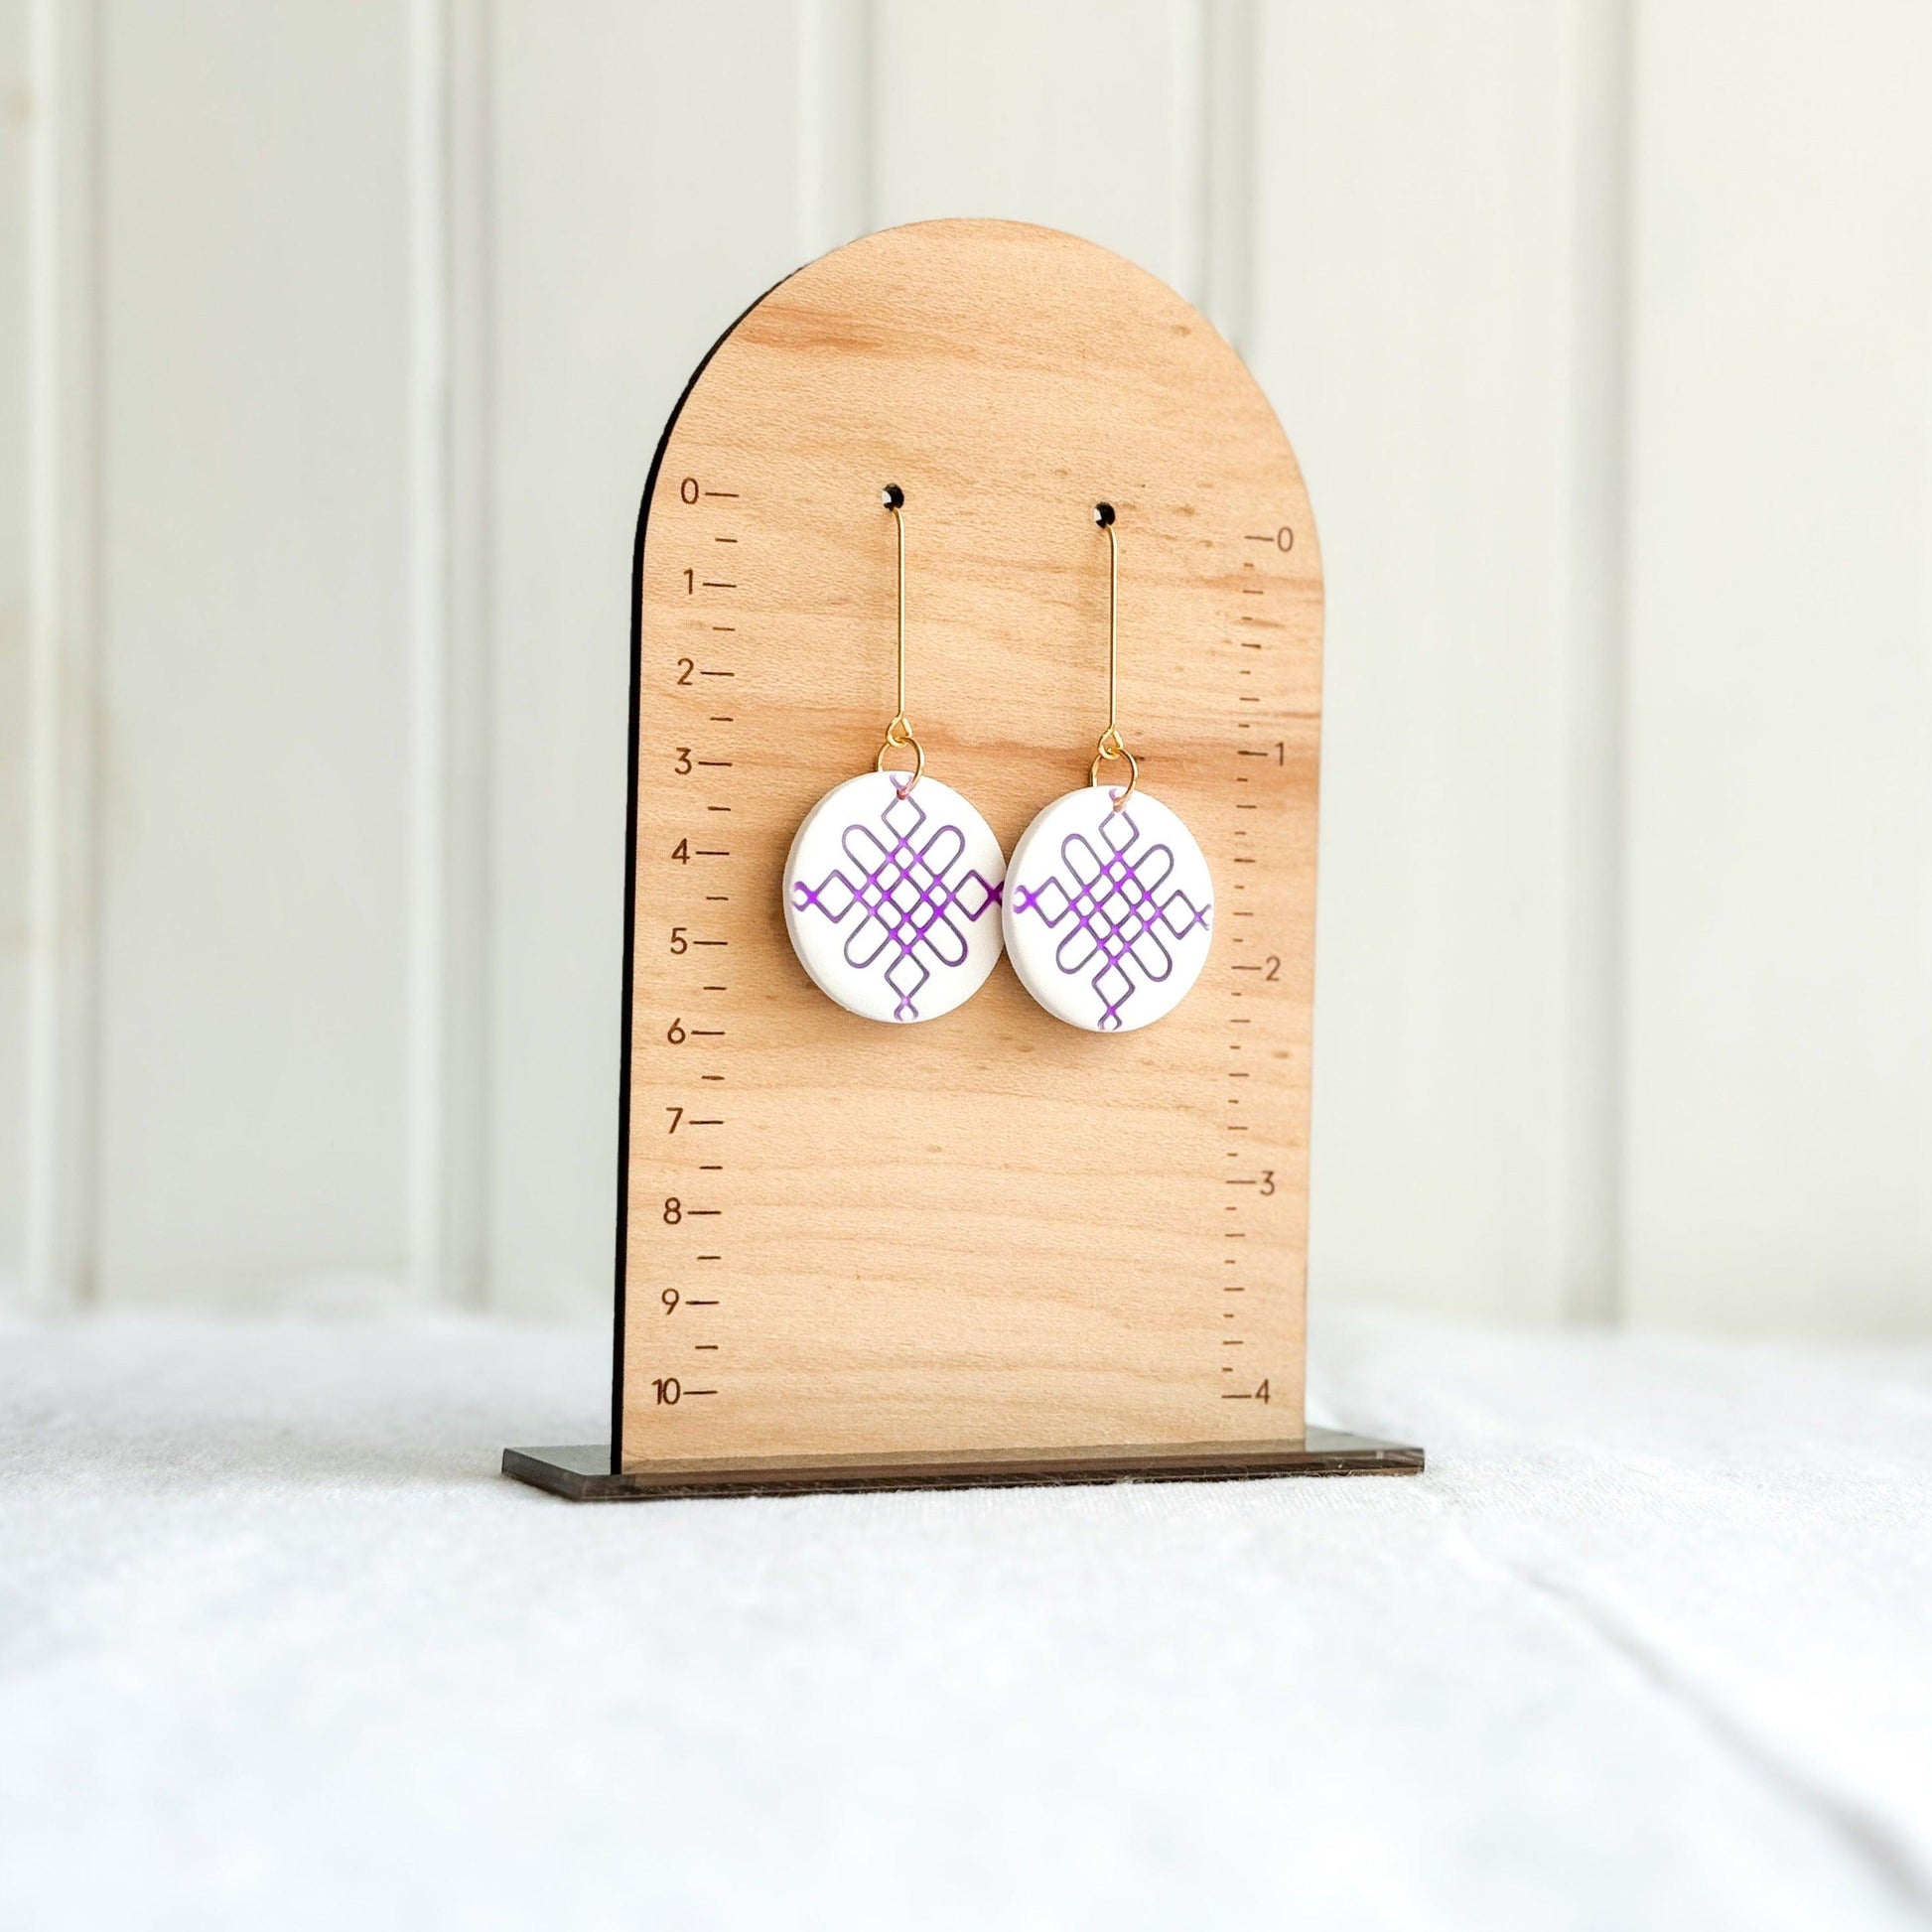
(988, 1232)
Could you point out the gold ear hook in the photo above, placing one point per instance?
(1111, 745)
(899, 733)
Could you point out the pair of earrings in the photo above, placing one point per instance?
(898, 901)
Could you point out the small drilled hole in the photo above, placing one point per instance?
(1103, 514)
(892, 498)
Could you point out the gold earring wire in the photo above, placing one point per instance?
(899, 733)
(1111, 746)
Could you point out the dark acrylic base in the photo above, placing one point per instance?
(585, 1475)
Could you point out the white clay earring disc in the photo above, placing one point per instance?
(892, 902)
(1108, 913)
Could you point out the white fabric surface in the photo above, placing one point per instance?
(1649, 1646)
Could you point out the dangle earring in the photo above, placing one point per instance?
(1110, 906)
(892, 886)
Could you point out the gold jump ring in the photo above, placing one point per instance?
(1132, 772)
(907, 744)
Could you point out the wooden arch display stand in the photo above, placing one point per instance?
(988, 1247)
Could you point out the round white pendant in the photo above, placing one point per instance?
(1108, 913)
(893, 899)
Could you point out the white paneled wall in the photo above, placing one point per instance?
(253, 657)
(1427, 203)
(1780, 828)
(646, 188)
(337, 342)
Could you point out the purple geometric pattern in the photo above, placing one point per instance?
(906, 900)
(1120, 918)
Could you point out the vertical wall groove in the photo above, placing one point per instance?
(449, 631)
(1595, 604)
(40, 1262)
(427, 471)
(63, 510)
(1228, 161)
(466, 1085)
(837, 136)
(1189, 120)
